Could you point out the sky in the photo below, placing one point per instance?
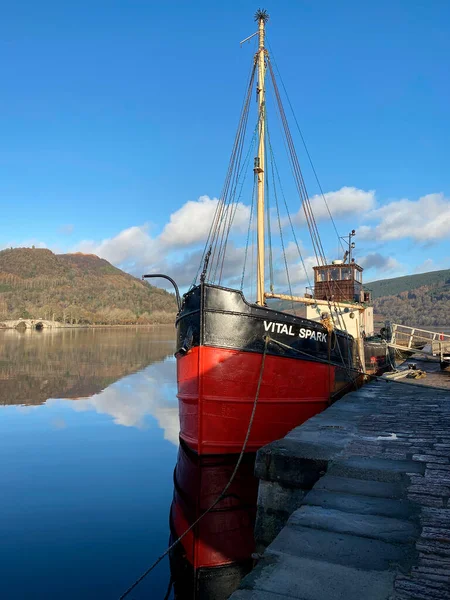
(117, 121)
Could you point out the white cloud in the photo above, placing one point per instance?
(343, 202)
(132, 249)
(424, 220)
(192, 222)
(136, 251)
(300, 274)
(177, 250)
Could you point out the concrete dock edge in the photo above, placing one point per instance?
(354, 503)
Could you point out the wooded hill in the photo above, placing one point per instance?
(418, 300)
(77, 289)
(397, 285)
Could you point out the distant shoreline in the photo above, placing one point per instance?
(93, 326)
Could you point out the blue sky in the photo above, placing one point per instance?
(116, 117)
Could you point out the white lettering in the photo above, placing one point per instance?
(303, 333)
(267, 325)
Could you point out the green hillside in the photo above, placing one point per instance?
(397, 285)
(77, 289)
(421, 300)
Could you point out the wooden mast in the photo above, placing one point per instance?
(262, 17)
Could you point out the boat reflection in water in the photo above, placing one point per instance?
(210, 560)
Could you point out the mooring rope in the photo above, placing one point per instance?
(267, 340)
(358, 372)
(225, 489)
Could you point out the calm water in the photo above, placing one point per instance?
(88, 443)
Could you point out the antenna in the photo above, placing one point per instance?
(351, 246)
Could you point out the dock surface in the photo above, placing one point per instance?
(355, 503)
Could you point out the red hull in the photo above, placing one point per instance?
(217, 388)
(225, 535)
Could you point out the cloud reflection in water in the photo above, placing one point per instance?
(150, 392)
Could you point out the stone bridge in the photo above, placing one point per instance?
(37, 324)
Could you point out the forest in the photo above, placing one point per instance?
(427, 305)
(398, 285)
(77, 289)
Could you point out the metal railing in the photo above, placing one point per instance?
(419, 340)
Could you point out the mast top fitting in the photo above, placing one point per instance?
(261, 14)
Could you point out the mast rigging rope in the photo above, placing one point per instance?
(225, 489)
(306, 148)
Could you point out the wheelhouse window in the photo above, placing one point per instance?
(346, 273)
(335, 274)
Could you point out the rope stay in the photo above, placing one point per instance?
(225, 489)
(250, 221)
(304, 197)
(235, 202)
(211, 241)
(268, 229)
(298, 176)
(220, 224)
(280, 227)
(294, 235)
(306, 149)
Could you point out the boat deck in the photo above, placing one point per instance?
(355, 503)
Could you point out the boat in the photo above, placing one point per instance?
(233, 351)
(210, 561)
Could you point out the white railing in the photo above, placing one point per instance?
(413, 338)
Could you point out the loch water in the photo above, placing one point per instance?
(88, 444)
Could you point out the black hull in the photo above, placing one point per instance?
(221, 317)
(378, 357)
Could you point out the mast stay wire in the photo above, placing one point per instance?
(278, 214)
(275, 166)
(211, 239)
(298, 176)
(250, 221)
(306, 204)
(243, 175)
(228, 213)
(266, 340)
(233, 166)
(335, 315)
(269, 228)
(305, 146)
